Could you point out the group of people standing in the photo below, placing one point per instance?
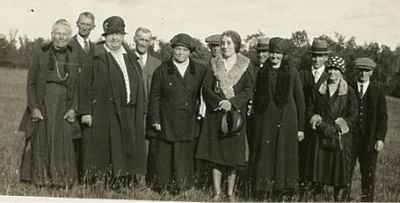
(106, 112)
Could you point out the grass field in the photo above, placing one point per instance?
(12, 105)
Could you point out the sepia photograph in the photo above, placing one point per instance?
(200, 101)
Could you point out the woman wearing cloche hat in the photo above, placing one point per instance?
(331, 116)
(115, 111)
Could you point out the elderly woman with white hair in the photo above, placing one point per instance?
(49, 121)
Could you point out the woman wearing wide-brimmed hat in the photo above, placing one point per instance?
(331, 115)
(227, 87)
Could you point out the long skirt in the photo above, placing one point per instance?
(49, 157)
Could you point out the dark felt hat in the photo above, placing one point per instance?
(113, 24)
(231, 122)
(182, 39)
(262, 44)
(320, 47)
(277, 45)
(365, 63)
(213, 39)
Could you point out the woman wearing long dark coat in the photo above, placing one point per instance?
(173, 108)
(278, 125)
(227, 86)
(331, 114)
(116, 148)
(49, 121)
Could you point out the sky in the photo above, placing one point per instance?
(367, 20)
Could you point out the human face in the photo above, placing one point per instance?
(142, 41)
(364, 75)
(215, 50)
(114, 41)
(262, 56)
(181, 54)
(276, 59)
(227, 46)
(85, 26)
(334, 74)
(318, 60)
(61, 36)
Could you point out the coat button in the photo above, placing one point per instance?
(267, 141)
(279, 125)
(94, 101)
(186, 103)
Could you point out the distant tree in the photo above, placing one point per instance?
(300, 39)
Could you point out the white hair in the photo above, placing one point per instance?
(61, 22)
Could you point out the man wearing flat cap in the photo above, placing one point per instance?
(370, 127)
(213, 43)
(279, 123)
(172, 118)
(312, 76)
(117, 146)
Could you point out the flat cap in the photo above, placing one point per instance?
(365, 63)
(213, 39)
(262, 44)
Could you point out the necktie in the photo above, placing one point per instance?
(141, 62)
(361, 90)
(315, 73)
(87, 47)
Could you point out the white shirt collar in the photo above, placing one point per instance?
(144, 56)
(319, 70)
(120, 51)
(81, 41)
(182, 66)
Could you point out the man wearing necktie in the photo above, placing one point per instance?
(82, 46)
(148, 63)
(370, 128)
(312, 77)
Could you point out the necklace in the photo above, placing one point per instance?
(62, 78)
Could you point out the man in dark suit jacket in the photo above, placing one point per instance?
(83, 47)
(370, 129)
(148, 64)
(312, 77)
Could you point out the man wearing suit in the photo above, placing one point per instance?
(370, 129)
(148, 64)
(312, 77)
(83, 47)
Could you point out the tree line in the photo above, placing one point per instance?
(17, 53)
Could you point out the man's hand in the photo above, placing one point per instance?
(379, 145)
(70, 116)
(36, 115)
(300, 136)
(87, 120)
(157, 126)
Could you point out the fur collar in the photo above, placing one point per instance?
(229, 79)
(342, 89)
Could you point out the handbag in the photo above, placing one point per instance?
(231, 123)
(331, 138)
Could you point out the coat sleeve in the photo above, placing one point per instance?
(352, 112)
(210, 97)
(245, 92)
(85, 89)
(33, 75)
(381, 116)
(298, 96)
(155, 96)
